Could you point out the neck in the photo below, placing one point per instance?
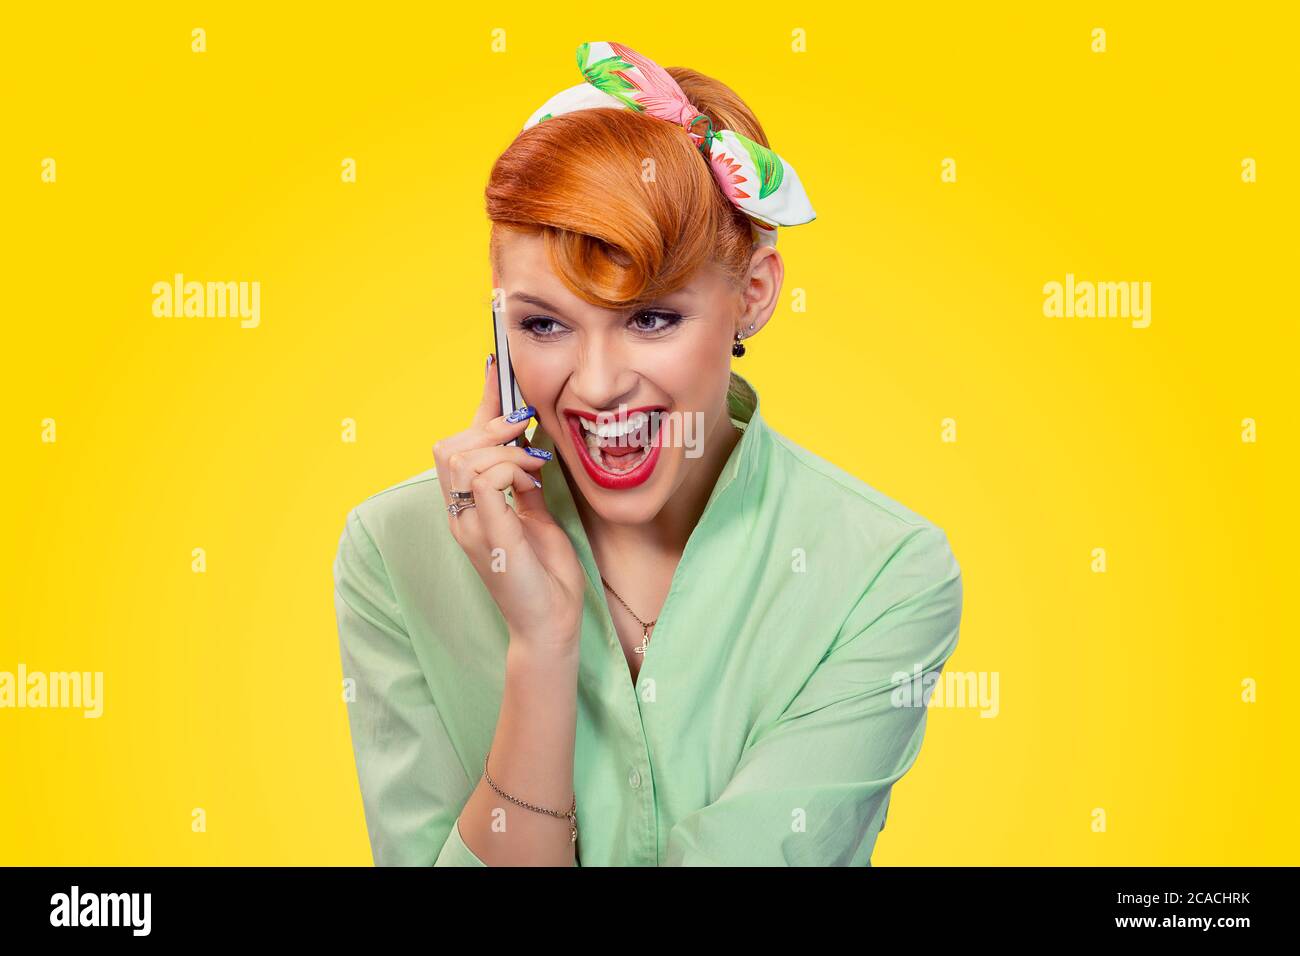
(670, 529)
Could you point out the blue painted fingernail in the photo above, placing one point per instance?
(521, 414)
(541, 453)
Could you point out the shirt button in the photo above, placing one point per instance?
(634, 778)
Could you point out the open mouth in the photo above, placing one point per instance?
(617, 452)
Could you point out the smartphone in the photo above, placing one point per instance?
(511, 397)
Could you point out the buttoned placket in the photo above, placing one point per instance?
(637, 759)
(635, 754)
(634, 749)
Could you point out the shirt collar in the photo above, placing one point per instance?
(742, 406)
(745, 458)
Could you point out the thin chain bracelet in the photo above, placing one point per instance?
(571, 813)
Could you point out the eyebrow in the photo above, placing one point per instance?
(543, 304)
(535, 300)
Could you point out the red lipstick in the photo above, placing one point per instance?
(615, 481)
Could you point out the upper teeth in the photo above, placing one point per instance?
(615, 429)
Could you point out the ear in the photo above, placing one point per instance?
(760, 291)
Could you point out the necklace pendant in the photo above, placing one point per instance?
(645, 640)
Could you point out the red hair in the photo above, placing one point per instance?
(614, 239)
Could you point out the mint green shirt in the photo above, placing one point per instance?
(781, 696)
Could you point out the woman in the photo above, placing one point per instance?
(658, 632)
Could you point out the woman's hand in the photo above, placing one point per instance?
(524, 557)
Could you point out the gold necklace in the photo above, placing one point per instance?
(645, 628)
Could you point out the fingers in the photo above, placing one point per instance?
(495, 431)
(500, 525)
(489, 406)
(531, 503)
(491, 523)
(464, 466)
(492, 434)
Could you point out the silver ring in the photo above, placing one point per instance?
(456, 507)
(462, 496)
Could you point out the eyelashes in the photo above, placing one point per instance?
(650, 323)
(538, 327)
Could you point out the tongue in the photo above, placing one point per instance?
(631, 444)
(620, 451)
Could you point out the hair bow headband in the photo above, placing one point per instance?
(756, 180)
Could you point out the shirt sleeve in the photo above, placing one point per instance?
(812, 788)
(413, 785)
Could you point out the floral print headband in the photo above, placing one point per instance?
(756, 180)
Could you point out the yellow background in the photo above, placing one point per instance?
(1119, 691)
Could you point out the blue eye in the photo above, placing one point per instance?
(532, 323)
(650, 323)
(670, 320)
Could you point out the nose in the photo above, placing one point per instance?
(603, 377)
